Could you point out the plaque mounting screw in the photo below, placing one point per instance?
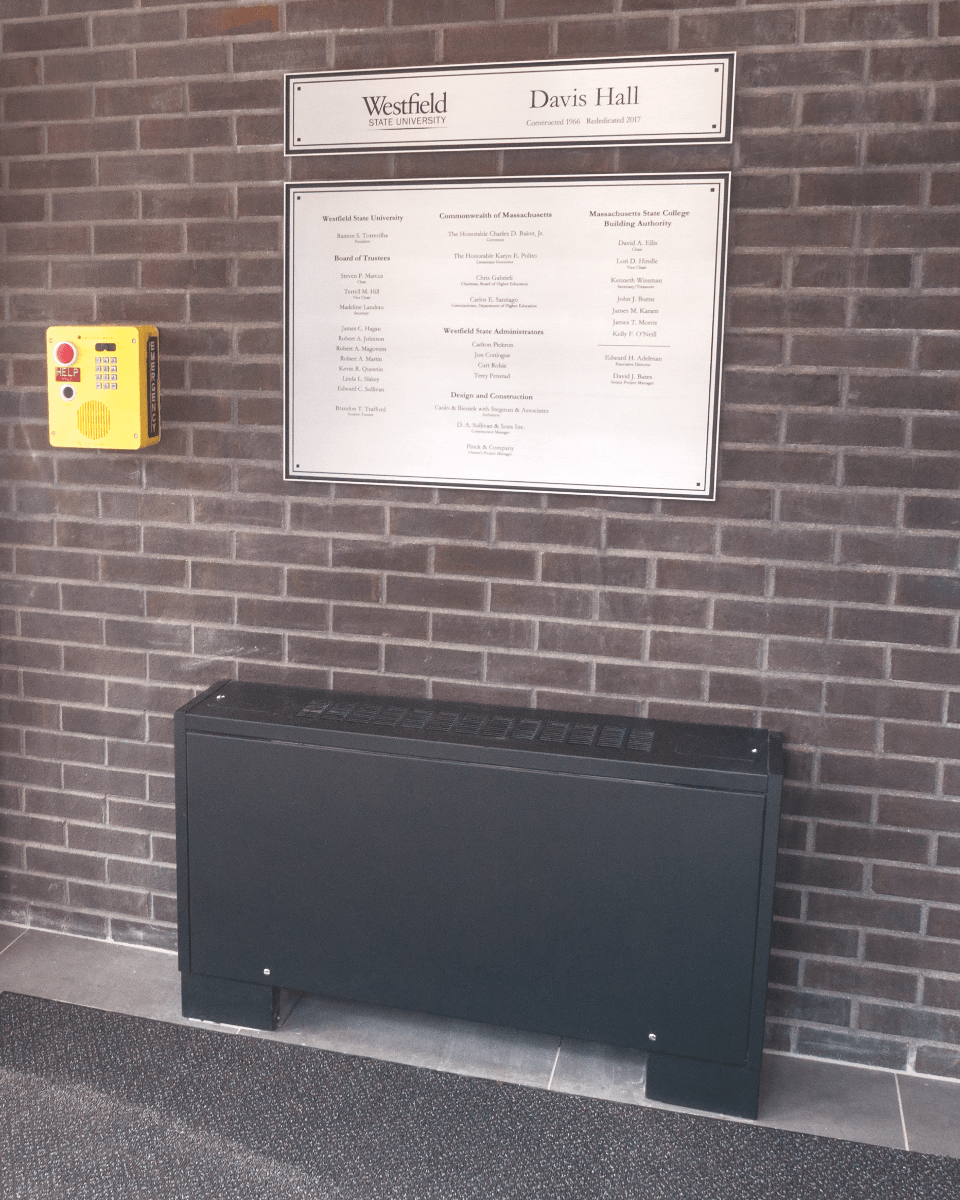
(266, 970)
(652, 1037)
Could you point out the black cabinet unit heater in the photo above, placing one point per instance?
(597, 877)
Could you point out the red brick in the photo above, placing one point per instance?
(881, 772)
(764, 692)
(883, 701)
(799, 620)
(863, 912)
(331, 652)
(52, 173)
(908, 312)
(915, 63)
(391, 49)
(799, 149)
(548, 529)
(807, 871)
(130, 169)
(935, 433)
(708, 649)
(490, 563)
(897, 549)
(439, 523)
(916, 229)
(785, 466)
(861, 981)
(799, 68)
(932, 512)
(381, 622)
(920, 146)
(804, 583)
(849, 107)
(944, 923)
(496, 43)
(732, 30)
(859, 842)
(233, 21)
(941, 270)
(592, 39)
(172, 133)
(232, 95)
(184, 60)
(379, 556)
(146, 99)
(475, 630)
(130, 29)
(928, 591)
(426, 592)
(771, 543)
(58, 34)
(306, 15)
(865, 22)
(537, 671)
(908, 952)
(650, 608)
(762, 387)
(851, 350)
(332, 585)
(762, 311)
(435, 12)
(940, 353)
(432, 661)
(603, 570)
(278, 54)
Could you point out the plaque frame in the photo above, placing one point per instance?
(503, 480)
(433, 75)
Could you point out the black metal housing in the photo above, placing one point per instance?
(598, 877)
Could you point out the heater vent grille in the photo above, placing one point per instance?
(481, 725)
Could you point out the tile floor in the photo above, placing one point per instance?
(808, 1095)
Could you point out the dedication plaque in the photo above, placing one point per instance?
(532, 334)
(574, 102)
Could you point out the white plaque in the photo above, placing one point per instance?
(594, 101)
(534, 334)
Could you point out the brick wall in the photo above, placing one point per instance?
(818, 595)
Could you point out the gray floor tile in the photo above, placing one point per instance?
(421, 1040)
(815, 1096)
(386, 1033)
(127, 979)
(606, 1072)
(931, 1110)
(510, 1055)
(8, 935)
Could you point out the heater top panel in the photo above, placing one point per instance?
(711, 755)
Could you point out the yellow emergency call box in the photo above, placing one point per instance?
(103, 386)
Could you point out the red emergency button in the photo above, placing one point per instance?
(65, 353)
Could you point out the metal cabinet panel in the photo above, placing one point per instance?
(603, 908)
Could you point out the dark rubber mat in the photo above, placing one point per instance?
(97, 1106)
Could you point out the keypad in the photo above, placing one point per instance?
(105, 370)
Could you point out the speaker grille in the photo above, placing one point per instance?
(93, 419)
